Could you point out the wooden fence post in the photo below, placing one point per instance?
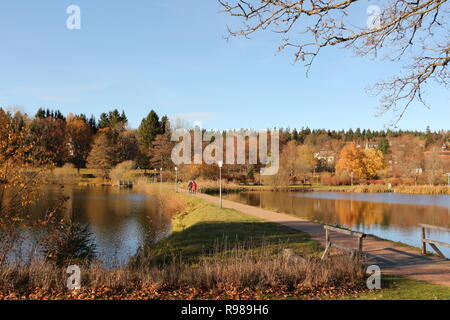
(433, 243)
(424, 244)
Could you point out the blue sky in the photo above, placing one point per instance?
(171, 56)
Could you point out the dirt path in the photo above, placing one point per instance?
(391, 257)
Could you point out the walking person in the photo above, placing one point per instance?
(190, 185)
(194, 186)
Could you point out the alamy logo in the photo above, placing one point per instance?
(74, 279)
(374, 19)
(235, 152)
(73, 22)
(374, 280)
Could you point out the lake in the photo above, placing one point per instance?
(391, 216)
(120, 219)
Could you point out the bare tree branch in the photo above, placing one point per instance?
(415, 32)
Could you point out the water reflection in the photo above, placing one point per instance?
(388, 215)
(120, 219)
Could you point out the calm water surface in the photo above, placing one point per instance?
(390, 216)
(120, 219)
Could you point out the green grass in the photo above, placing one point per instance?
(401, 288)
(205, 227)
(197, 232)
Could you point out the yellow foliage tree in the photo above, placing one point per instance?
(18, 186)
(350, 160)
(373, 161)
(365, 163)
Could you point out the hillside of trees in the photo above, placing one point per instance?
(329, 156)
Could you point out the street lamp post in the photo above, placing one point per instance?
(160, 175)
(176, 179)
(220, 163)
(448, 183)
(351, 178)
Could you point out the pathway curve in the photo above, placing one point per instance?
(391, 257)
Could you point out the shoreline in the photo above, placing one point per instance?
(421, 189)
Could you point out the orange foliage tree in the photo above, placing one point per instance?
(79, 139)
(362, 163)
(18, 182)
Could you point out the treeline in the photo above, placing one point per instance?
(86, 142)
(107, 141)
(350, 135)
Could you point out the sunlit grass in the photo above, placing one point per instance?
(199, 230)
(401, 288)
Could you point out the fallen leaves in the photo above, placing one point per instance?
(153, 292)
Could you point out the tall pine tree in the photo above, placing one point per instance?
(149, 128)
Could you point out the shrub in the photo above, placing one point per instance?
(70, 243)
(334, 180)
(171, 203)
(121, 171)
(67, 174)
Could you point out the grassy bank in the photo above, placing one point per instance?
(213, 188)
(216, 253)
(204, 227)
(86, 177)
(193, 237)
(419, 189)
(199, 230)
(211, 254)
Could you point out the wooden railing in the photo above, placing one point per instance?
(433, 243)
(329, 244)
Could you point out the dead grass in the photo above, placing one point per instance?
(372, 188)
(242, 270)
(65, 175)
(420, 189)
(121, 172)
(171, 203)
(423, 189)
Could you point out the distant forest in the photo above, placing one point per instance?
(104, 142)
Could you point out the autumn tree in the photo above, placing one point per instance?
(350, 161)
(407, 156)
(161, 152)
(126, 147)
(79, 139)
(373, 162)
(50, 134)
(434, 164)
(102, 155)
(18, 185)
(362, 163)
(296, 162)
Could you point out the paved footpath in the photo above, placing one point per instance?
(391, 257)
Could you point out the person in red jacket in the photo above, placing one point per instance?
(194, 186)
